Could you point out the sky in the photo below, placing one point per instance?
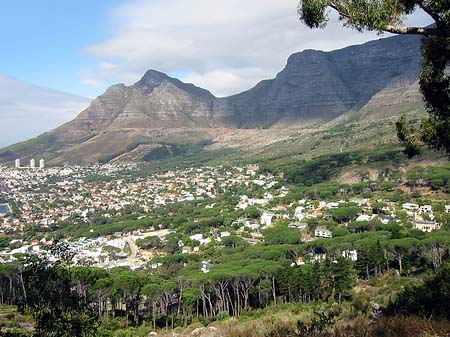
(83, 46)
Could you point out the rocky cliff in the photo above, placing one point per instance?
(318, 85)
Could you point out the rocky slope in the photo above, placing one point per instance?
(314, 89)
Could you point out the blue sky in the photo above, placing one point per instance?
(43, 41)
(82, 46)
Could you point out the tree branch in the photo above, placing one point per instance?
(411, 30)
(338, 10)
(427, 31)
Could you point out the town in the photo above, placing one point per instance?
(82, 206)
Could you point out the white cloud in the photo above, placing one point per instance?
(224, 46)
(27, 110)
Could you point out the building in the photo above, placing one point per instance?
(17, 163)
(350, 254)
(32, 163)
(41, 163)
(426, 209)
(206, 266)
(323, 233)
(447, 208)
(196, 237)
(299, 213)
(186, 250)
(426, 226)
(266, 219)
(410, 207)
(298, 225)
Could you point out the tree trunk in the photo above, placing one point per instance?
(274, 292)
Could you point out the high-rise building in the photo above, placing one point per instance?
(32, 163)
(17, 163)
(41, 163)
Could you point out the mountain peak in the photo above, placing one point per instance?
(153, 78)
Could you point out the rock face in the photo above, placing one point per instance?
(314, 87)
(318, 85)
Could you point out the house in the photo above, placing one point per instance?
(426, 226)
(386, 219)
(318, 257)
(323, 233)
(205, 241)
(186, 250)
(298, 225)
(266, 219)
(299, 213)
(365, 217)
(196, 237)
(251, 225)
(426, 209)
(332, 205)
(224, 234)
(410, 207)
(350, 254)
(298, 262)
(205, 266)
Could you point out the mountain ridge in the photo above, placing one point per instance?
(314, 88)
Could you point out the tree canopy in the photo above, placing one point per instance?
(389, 16)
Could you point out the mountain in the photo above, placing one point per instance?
(156, 101)
(160, 115)
(318, 86)
(27, 110)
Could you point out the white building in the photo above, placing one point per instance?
(426, 226)
(266, 219)
(206, 266)
(350, 254)
(365, 217)
(410, 207)
(323, 233)
(299, 213)
(32, 163)
(17, 163)
(41, 163)
(298, 225)
(196, 237)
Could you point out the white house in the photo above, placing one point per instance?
(332, 205)
(299, 213)
(323, 233)
(350, 254)
(298, 225)
(426, 209)
(365, 217)
(410, 207)
(206, 266)
(266, 219)
(426, 226)
(196, 237)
